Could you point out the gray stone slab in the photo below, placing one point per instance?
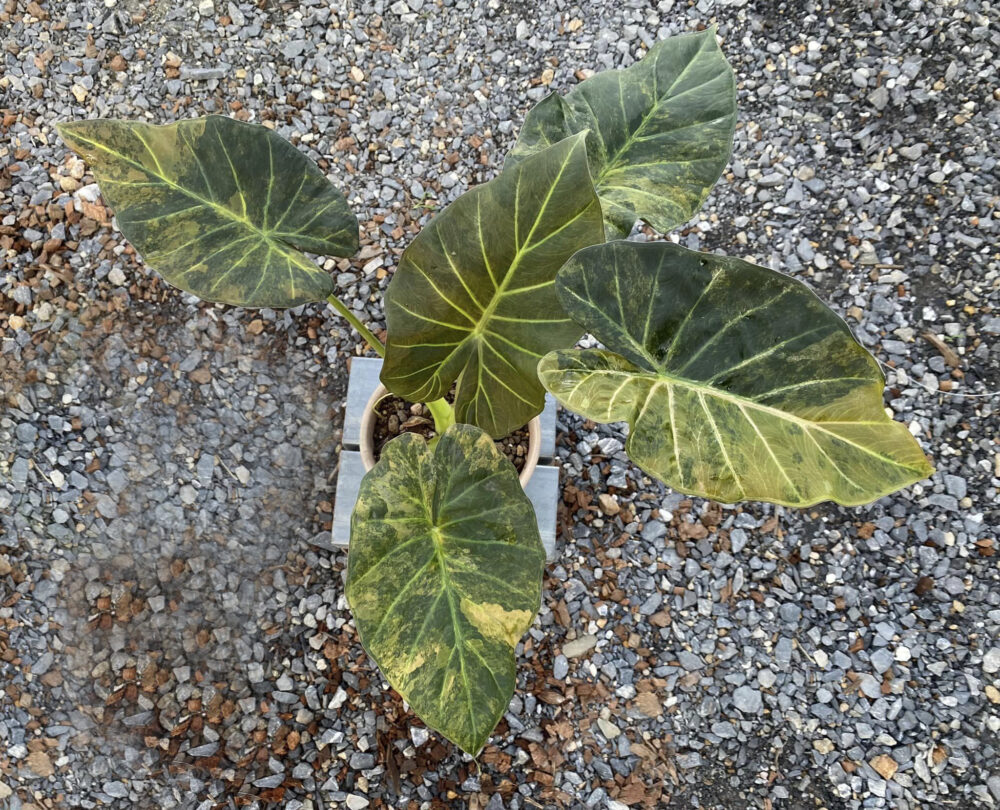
(542, 490)
(362, 381)
(352, 470)
(547, 450)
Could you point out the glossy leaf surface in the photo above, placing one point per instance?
(737, 381)
(661, 131)
(473, 300)
(444, 577)
(220, 208)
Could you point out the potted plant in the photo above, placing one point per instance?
(737, 381)
(371, 448)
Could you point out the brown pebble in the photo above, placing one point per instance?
(256, 326)
(608, 504)
(201, 375)
(118, 64)
(885, 765)
(52, 679)
(40, 763)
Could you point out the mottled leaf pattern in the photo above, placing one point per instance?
(661, 131)
(444, 577)
(220, 208)
(473, 300)
(737, 381)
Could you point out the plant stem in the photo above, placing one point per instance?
(443, 413)
(377, 346)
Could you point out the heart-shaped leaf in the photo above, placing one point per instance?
(220, 208)
(444, 577)
(661, 131)
(473, 299)
(737, 381)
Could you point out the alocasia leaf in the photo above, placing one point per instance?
(661, 131)
(737, 381)
(473, 300)
(444, 577)
(220, 208)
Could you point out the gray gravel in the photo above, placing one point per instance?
(170, 637)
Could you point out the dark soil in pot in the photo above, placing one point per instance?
(394, 416)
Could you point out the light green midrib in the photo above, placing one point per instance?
(610, 166)
(277, 244)
(438, 541)
(523, 249)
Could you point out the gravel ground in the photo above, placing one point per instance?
(170, 636)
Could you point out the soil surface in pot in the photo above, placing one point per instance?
(394, 416)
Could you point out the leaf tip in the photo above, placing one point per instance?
(66, 131)
(712, 33)
(926, 469)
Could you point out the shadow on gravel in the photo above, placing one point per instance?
(184, 466)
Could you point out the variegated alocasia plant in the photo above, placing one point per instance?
(736, 381)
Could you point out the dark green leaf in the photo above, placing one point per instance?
(473, 299)
(737, 381)
(444, 577)
(220, 208)
(661, 131)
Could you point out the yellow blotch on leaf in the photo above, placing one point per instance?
(493, 621)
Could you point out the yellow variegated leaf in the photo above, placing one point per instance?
(219, 208)
(473, 300)
(737, 381)
(661, 131)
(444, 577)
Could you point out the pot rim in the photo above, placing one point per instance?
(368, 443)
